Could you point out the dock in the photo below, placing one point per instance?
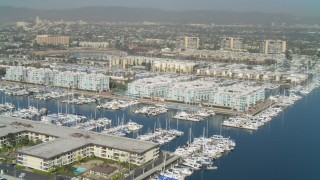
(155, 167)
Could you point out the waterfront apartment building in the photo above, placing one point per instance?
(62, 145)
(16, 73)
(93, 82)
(41, 76)
(231, 43)
(53, 40)
(273, 47)
(210, 91)
(66, 79)
(154, 87)
(191, 91)
(240, 96)
(94, 44)
(189, 43)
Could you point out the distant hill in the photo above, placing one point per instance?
(116, 14)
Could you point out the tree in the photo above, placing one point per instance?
(79, 158)
(148, 65)
(2, 72)
(11, 138)
(288, 55)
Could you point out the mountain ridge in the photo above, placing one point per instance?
(135, 14)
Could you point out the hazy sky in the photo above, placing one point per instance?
(294, 7)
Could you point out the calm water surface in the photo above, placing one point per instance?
(287, 148)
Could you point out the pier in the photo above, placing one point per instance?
(154, 167)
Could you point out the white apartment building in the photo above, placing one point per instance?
(39, 76)
(191, 91)
(93, 82)
(238, 96)
(16, 73)
(66, 79)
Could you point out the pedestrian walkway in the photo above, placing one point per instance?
(158, 167)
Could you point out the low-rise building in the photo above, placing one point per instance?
(102, 170)
(63, 145)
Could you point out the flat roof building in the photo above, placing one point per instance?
(53, 40)
(273, 47)
(231, 43)
(189, 43)
(62, 145)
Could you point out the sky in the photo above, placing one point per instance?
(293, 7)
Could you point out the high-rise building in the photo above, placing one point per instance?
(273, 47)
(54, 40)
(187, 42)
(38, 21)
(231, 43)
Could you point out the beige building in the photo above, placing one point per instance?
(53, 40)
(63, 145)
(173, 66)
(189, 43)
(231, 43)
(273, 47)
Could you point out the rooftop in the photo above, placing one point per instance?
(68, 138)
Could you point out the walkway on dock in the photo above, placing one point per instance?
(153, 167)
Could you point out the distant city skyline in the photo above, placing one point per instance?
(293, 7)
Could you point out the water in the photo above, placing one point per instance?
(79, 170)
(286, 148)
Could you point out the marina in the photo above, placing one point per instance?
(117, 104)
(151, 110)
(210, 120)
(161, 136)
(80, 100)
(123, 129)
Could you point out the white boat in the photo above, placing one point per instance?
(211, 167)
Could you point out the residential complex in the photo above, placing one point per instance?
(209, 91)
(67, 79)
(189, 43)
(254, 74)
(232, 55)
(231, 43)
(93, 82)
(156, 64)
(62, 145)
(53, 40)
(273, 47)
(173, 66)
(240, 96)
